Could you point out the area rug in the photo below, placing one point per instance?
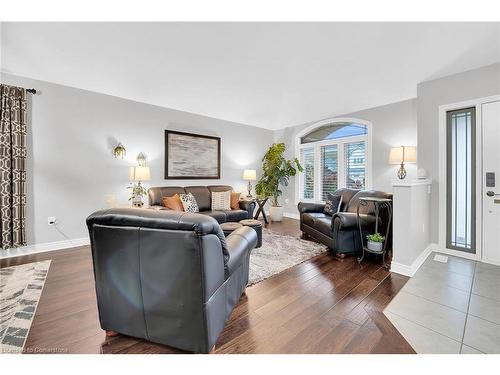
(20, 290)
(278, 253)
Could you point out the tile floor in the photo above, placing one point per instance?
(451, 307)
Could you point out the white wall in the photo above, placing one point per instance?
(410, 226)
(393, 125)
(473, 84)
(70, 165)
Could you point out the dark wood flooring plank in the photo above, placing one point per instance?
(336, 339)
(364, 339)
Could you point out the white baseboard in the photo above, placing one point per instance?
(457, 253)
(465, 255)
(493, 262)
(291, 215)
(410, 270)
(43, 247)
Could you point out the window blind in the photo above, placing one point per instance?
(355, 164)
(329, 170)
(307, 161)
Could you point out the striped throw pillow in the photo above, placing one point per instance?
(221, 201)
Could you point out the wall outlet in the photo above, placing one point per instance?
(51, 220)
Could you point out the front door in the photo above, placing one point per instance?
(491, 182)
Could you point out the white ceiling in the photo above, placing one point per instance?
(270, 75)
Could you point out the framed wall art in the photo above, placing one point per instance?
(191, 156)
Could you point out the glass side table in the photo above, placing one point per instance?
(379, 204)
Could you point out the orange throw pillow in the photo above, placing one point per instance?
(235, 200)
(173, 203)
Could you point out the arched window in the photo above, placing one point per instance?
(335, 154)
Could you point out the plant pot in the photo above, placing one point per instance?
(137, 202)
(276, 213)
(374, 246)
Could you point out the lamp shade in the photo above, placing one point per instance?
(249, 174)
(139, 173)
(403, 154)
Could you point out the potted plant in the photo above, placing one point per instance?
(375, 242)
(137, 192)
(276, 174)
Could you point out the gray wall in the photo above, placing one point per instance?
(468, 85)
(72, 133)
(70, 166)
(393, 125)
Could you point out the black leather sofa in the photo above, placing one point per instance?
(166, 276)
(340, 232)
(203, 196)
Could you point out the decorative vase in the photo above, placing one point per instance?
(375, 246)
(137, 201)
(276, 213)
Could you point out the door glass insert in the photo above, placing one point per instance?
(461, 218)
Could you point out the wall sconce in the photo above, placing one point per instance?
(141, 159)
(119, 151)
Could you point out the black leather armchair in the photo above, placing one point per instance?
(340, 232)
(168, 277)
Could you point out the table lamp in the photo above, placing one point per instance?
(138, 174)
(403, 155)
(249, 175)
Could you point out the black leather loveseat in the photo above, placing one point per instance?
(340, 232)
(203, 196)
(167, 276)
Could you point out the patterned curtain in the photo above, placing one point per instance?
(12, 166)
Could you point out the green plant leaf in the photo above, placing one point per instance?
(276, 172)
(376, 237)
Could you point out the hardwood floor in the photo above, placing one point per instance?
(324, 305)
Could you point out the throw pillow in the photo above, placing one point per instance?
(221, 200)
(332, 204)
(189, 203)
(235, 200)
(173, 203)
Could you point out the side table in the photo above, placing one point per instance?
(260, 203)
(378, 203)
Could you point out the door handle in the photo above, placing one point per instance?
(491, 193)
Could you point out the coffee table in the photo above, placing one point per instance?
(229, 227)
(256, 225)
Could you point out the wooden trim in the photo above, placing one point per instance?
(44, 247)
(410, 269)
(449, 185)
(442, 109)
(368, 138)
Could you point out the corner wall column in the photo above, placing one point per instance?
(411, 232)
